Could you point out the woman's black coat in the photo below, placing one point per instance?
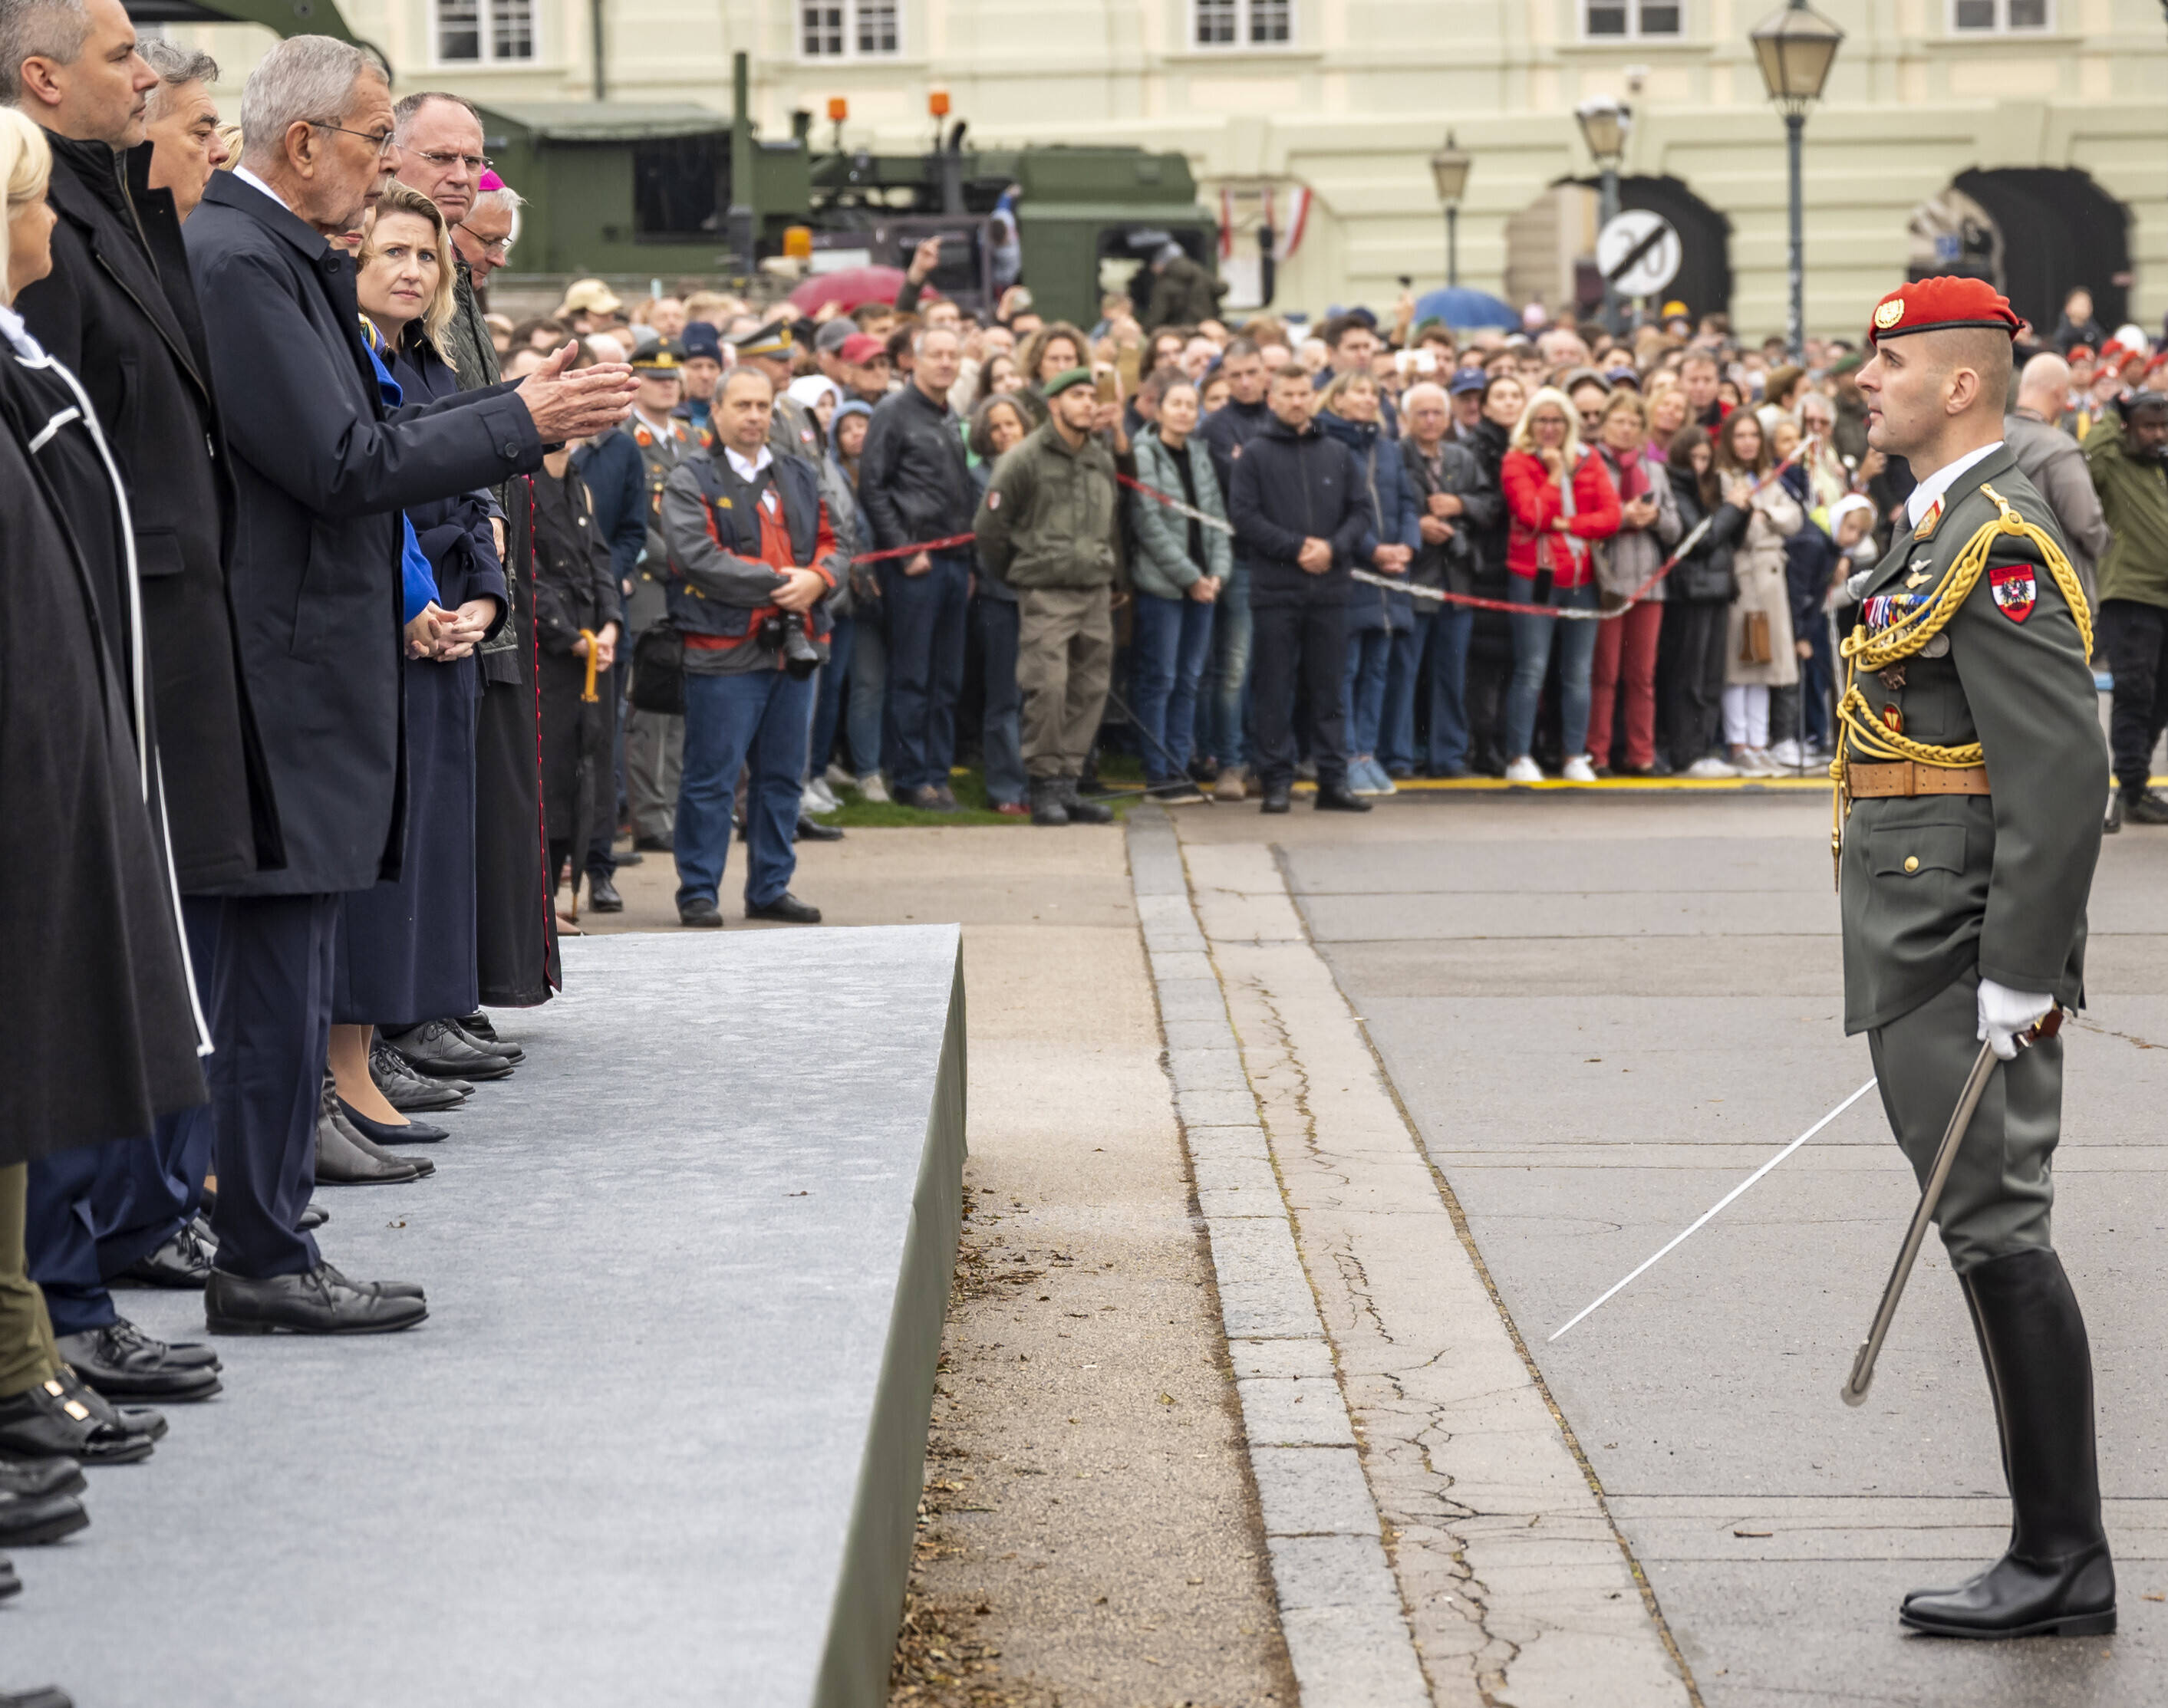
(104, 1039)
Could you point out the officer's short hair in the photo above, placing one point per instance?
(737, 374)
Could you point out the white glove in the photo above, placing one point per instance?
(2003, 1013)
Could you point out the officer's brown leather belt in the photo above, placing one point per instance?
(1904, 778)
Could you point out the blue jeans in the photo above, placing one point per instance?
(759, 716)
(1224, 704)
(1450, 630)
(1396, 732)
(926, 616)
(866, 723)
(1369, 659)
(1001, 740)
(828, 695)
(1531, 659)
(1174, 640)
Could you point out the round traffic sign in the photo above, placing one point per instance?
(1638, 252)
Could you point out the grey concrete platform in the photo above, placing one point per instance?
(660, 1439)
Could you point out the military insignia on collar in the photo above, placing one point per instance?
(2014, 590)
(1918, 577)
(1926, 528)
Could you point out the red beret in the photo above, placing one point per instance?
(2079, 352)
(1935, 305)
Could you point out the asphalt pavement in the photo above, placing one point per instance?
(1600, 1014)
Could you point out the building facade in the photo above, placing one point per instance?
(2026, 139)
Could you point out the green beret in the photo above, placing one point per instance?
(1063, 382)
(1846, 363)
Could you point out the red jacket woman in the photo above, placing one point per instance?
(1535, 504)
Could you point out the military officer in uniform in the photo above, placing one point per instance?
(655, 741)
(792, 431)
(1970, 770)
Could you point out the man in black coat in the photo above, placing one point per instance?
(1297, 523)
(321, 472)
(119, 310)
(1225, 433)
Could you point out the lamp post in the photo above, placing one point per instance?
(1795, 47)
(1606, 123)
(1449, 167)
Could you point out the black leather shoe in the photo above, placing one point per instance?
(1047, 810)
(367, 1146)
(122, 1362)
(2150, 808)
(652, 845)
(812, 829)
(41, 1477)
(341, 1162)
(786, 908)
(436, 1049)
(311, 1219)
(2056, 1578)
(489, 1046)
(180, 1261)
(407, 1091)
(1279, 798)
(141, 1420)
(51, 1696)
(26, 1520)
(1080, 810)
(46, 1422)
(601, 895)
(701, 913)
(10, 1584)
(389, 1290)
(380, 1132)
(316, 1301)
(1338, 797)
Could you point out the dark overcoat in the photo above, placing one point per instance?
(321, 471)
(108, 1042)
(118, 308)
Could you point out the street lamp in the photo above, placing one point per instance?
(1795, 48)
(1449, 167)
(1606, 123)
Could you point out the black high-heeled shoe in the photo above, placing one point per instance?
(381, 1132)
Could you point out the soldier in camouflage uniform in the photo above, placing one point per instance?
(1970, 770)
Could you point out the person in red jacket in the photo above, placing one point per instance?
(1559, 502)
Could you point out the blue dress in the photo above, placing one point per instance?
(407, 948)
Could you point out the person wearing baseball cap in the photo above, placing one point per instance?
(1464, 390)
(1970, 773)
(589, 306)
(865, 365)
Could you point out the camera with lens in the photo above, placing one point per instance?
(786, 631)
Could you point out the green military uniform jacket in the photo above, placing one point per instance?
(660, 454)
(792, 431)
(2133, 495)
(1051, 516)
(1936, 886)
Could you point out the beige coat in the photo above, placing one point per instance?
(1759, 564)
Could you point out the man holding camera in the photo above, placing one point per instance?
(752, 560)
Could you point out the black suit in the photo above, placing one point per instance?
(321, 473)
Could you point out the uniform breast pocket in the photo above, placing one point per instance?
(1912, 851)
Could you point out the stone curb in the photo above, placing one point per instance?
(1347, 1633)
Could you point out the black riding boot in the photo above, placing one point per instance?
(2057, 1579)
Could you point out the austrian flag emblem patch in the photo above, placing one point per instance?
(2013, 588)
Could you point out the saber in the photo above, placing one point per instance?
(1946, 1155)
(1709, 1214)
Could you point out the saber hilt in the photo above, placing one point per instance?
(1946, 1155)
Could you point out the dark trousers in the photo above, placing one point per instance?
(2136, 638)
(94, 1210)
(925, 665)
(1693, 690)
(753, 721)
(1298, 650)
(1001, 739)
(830, 690)
(270, 1004)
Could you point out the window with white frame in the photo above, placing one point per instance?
(1631, 20)
(1240, 24)
(849, 29)
(1999, 17)
(471, 32)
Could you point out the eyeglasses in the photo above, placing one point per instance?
(444, 161)
(380, 141)
(498, 247)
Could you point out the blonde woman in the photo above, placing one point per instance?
(1558, 502)
(110, 1043)
(407, 948)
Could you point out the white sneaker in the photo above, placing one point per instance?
(1579, 770)
(1787, 754)
(1709, 766)
(872, 790)
(816, 799)
(1524, 769)
(838, 776)
(1763, 765)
